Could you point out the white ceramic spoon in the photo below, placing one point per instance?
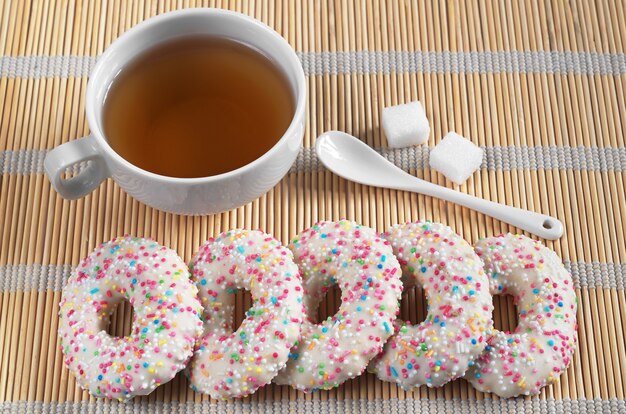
(354, 160)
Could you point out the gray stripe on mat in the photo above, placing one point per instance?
(40, 66)
(30, 161)
(586, 63)
(596, 274)
(372, 62)
(499, 158)
(39, 277)
(488, 405)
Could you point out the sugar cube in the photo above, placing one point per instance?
(456, 157)
(405, 125)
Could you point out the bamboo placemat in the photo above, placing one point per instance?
(541, 85)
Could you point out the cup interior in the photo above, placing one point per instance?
(215, 22)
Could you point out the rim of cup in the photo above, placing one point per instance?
(299, 89)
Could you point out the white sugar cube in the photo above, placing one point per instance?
(456, 157)
(405, 125)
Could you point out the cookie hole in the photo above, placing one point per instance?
(413, 305)
(329, 305)
(121, 320)
(504, 313)
(243, 302)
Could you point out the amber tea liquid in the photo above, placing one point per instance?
(197, 106)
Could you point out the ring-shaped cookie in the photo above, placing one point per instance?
(362, 264)
(441, 348)
(166, 319)
(540, 348)
(235, 364)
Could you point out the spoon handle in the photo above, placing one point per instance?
(541, 225)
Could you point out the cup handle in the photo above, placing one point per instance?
(68, 155)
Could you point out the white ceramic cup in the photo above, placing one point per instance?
(179, 195)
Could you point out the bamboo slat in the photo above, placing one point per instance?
(512, 76)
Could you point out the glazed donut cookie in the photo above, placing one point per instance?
(542, 345)
(441, 348)
(166, 320)
(235, 364)
(364, 267)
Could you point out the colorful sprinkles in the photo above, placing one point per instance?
(542, 345)
(166, 321)
(235, 364)
(277, 341)
(441, 348)
(363, 265)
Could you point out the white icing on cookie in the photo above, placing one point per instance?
(166, 321)
(541, 347)
(362, 264)
(235, 364)
(441, 348)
